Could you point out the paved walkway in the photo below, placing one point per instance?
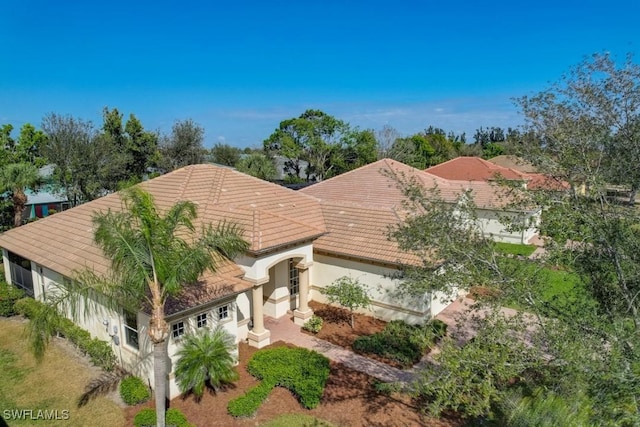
(284, 329)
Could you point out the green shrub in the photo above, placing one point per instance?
(313, 325)
(8, 296)
(27, 307)
(133, 391)
(247, 405)
(100, 352)
(303, 372)
(439, 328)
(401, 342)
(173, 417)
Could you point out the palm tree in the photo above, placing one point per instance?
(16, 178)
(153, 256)
(206, 359)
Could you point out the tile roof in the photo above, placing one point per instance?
(269, 214)
(359, 207)
(477, 169)
(514, 162)
(472, 169)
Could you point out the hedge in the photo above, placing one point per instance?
(402, 342)
(8, 296)
(100, 352)
(133, 391)
(173, 417)
(304, 372)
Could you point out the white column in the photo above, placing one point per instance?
(258, 336)
(258, 316)
(303, 312)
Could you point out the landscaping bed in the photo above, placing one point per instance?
(349, 399)
(393, 350)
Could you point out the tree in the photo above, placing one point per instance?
(70, 147)
(312, 137)
(588, 124)
(582, 342)
(359, 148)
(206, 360)
(184, 146)
(225, 154)
(26, 149)
(349, 293)
(142, 147)
(153, 256)
(16, 178)
(386, 137)
(258, 165)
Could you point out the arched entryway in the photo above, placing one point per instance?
(284, 290)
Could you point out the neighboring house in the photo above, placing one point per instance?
(477, 169)
(513, 162)
(300, 242)
(493, 200)
(43, 203)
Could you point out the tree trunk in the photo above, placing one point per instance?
(19, 201)
(160, 380)
(158, 332)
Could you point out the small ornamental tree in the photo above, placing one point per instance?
(349, 293)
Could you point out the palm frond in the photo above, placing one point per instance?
(105, 383)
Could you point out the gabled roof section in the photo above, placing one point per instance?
(372, 184)
(360, 206)
(269, 214)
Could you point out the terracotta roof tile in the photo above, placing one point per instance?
(270, 215)
(473, 169)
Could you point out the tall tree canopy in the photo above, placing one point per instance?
(588, 124)
(574, 349)
(183, 147)
(327, 145)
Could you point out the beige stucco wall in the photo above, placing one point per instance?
(490, 223)
(382, 286)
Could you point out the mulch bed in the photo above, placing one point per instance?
(336, 328)
(349, 399)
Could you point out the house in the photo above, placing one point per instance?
(299, 242)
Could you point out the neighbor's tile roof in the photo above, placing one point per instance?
(477, 169)
(269, 214)
(513, 162)
(473, 169)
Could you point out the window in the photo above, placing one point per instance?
(131, 329)
(223, 312)
(294, 278)
(177, 330)
(201, 320)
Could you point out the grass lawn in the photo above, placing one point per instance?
(558, 286)
(54, 384)
(296, 420)
(515, 249)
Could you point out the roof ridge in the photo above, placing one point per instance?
(293, 220)
(183, 184)
(214, 195)
(342, 175)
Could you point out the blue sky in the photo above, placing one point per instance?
(239, 68)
